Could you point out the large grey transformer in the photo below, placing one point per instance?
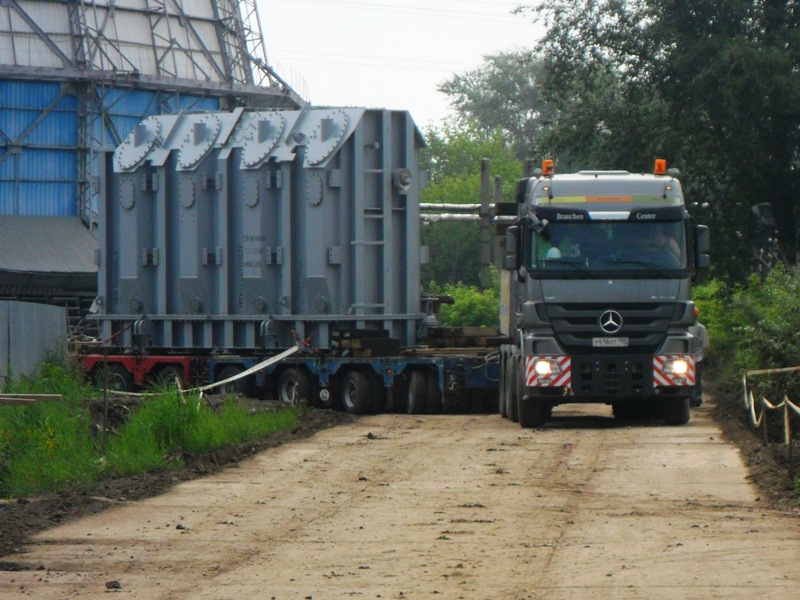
(255, 230)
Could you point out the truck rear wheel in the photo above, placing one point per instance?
(357, 393)
(675, 411)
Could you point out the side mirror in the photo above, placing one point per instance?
(511, 250)
(702, 244)
(522, 189)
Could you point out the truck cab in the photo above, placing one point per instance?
(596, 294)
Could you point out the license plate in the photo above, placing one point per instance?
(616, 342)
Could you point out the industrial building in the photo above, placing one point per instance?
(76, 77)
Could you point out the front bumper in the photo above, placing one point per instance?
(595, 378)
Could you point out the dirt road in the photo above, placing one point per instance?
(442, 507)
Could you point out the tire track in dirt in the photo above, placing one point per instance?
(395, 506)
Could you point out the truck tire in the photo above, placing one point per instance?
(676, 411)
(433, 404)
(512, 386)
(295, 387)
(114, 378)
(502, 388)
(626, 411)
(357, 393)
(533, 412)
(416, 396)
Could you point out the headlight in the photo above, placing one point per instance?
(546, 368)
(676, 366)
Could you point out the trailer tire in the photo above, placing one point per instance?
(416, 395)
(434, 404)
(240, 386)
(295, 387)
(170, 378)
(114, 378)
(676, 411)
(381, 401)
(357, 393)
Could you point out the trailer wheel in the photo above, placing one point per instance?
(295, 388)
(170, 378)
(357, 393)
(114, 378)
(675, 411)
(239, 386)
(416, 396)
(433, 404)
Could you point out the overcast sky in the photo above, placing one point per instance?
(387, 53)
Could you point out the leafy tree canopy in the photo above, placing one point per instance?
(711, 85)
(453, 158)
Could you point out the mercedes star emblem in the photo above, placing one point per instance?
(611, 321)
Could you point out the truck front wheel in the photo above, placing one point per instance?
(533, 412)
(675, 411)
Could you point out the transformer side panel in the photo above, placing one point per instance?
(229, 231)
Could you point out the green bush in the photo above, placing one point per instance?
(753, 325)
(472, 307)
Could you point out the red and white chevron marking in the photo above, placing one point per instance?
(563, 379)
(669, 380)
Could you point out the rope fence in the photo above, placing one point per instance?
(758, 409)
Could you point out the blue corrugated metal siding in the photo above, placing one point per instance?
(40, 177)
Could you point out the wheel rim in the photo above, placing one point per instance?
(289, 391)
(349, 392)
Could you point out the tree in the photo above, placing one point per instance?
(453, 158)
(504, 93)
(711, 85)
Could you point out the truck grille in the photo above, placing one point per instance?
(644, 324)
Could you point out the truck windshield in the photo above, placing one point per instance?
(610, 246)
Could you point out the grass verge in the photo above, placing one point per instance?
(52, 447)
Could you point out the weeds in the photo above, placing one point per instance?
(50, 447)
